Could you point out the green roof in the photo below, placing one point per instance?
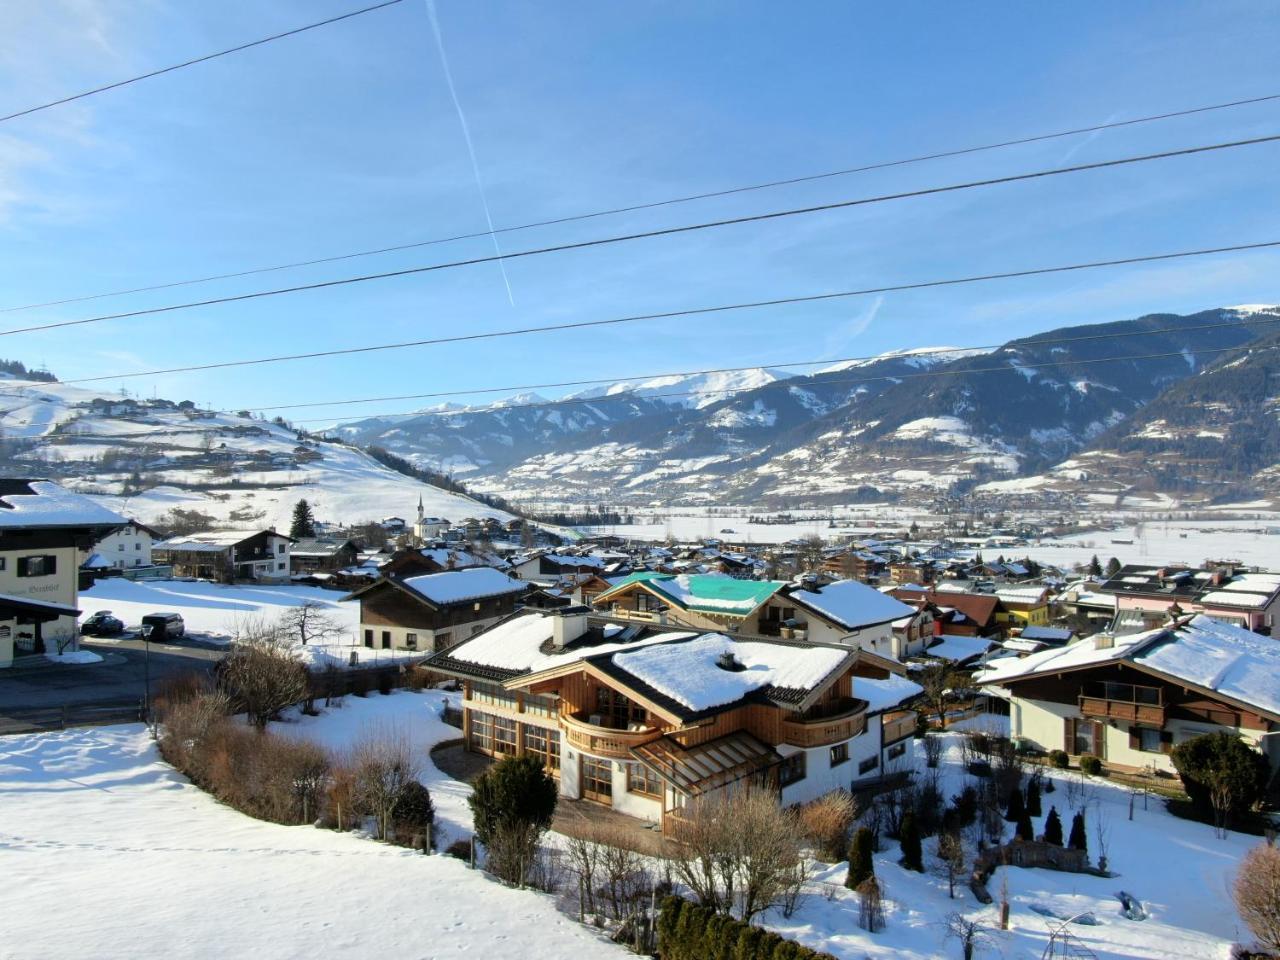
(704, 592)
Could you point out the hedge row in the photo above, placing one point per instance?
(687, 931)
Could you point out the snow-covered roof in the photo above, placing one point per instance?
(852, 604)
(42, 503)
(1199, 650)
(517, 644)
(1021, 594)
(711, 593)
(885, 694)
(214, 541)
(458, 586)
(1235, 598)
(959, 648)
(689, 673)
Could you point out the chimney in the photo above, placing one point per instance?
(567, 625)
(1104, 641)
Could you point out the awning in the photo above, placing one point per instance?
(707, 766)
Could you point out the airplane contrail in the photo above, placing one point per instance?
(471, 150)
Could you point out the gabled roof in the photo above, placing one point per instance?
(32, 504)
(850, 604)
(450, 587)
(979, 607)
(1198, 651)
(702, 593)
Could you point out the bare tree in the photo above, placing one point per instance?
(938, 680)
(262, 675)
(1257, 894)
(871, 905)
(971, 934)
(383, 762)
(739, 851)
(949, 859)
(311, 621)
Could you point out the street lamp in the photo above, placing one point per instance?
(146, 674)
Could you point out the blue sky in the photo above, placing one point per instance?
(346, 138)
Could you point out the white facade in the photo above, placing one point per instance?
(130, 546)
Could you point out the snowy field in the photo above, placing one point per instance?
(108, 853)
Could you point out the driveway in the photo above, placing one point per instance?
(121, 676)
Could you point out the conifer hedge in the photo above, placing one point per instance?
(689, 931)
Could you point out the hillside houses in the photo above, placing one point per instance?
(1223, 590)
(648, 719)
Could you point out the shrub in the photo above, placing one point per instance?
(825, 824)
(965, 805)
(386, 683)
(689, 931)
(359, 683)
(1033, 797)
(460, 849)
(384, 765)
(1222, 775)
(861, 864)
(262, 675)
(1257, 894)
(1079, 839)
(512, 803)
(909, 842)
(1059, 759)
(414, 814)
(1024, 830)
(1091, 765)
(1053, 828)
(1015, 808)
(932, 750)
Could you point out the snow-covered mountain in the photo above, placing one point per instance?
(911, 422)
(691, 391)
(143, 458)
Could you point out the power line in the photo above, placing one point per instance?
(632, 208)
(185, 428)
(691, 312)
(830, 361)
(190, 63)
(648, 234)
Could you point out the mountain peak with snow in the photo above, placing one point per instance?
(916, 356)
(691, 390)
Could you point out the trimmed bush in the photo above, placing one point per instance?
(861, 865)
(1079, 839)
(1053, 828)
(909, 841)
(1222, 775)
(687, 931)
(1059, 759)
(1024, 830)
(1033, 797)
(1015, 808)
(1091, 765)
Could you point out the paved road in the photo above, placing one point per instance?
(120, 677)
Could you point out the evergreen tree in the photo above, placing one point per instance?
(1095, 568)
(1078, 840)
(1053, 828)
(1113, 567)
(303, 526)
(861, 865)
(515, 791)
(909, 841)
(1033, 797)
(1024, 830)
(1016, 808)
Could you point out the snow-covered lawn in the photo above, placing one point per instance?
(219, 611)
(1176, 868)
(108, 853)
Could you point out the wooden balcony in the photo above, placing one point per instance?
(897, 726)
(837, 721)
(1101, 708)
(644, 616)
(602, 741)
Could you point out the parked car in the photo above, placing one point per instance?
(165, 626)
(102, 624)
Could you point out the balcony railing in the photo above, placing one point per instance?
(1123, 701)
(897, 726)
(1103, 709)
(831, 723)
(602, 741)
(646, 616)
